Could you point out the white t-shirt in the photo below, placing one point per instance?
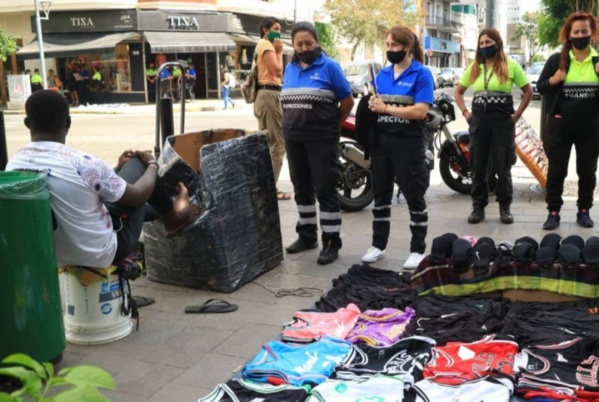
(79, 184)
(231, 82)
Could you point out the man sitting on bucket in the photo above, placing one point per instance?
(99, 211)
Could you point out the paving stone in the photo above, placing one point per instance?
(212, 369)
(246, 342)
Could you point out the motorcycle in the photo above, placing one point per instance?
(355, 185)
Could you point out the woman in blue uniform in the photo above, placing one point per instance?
(492, 122)
(315, 99)
(570, 85)
(405, 93)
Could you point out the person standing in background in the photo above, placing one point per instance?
(54, 81)
(569, 83)
(72, 75)
(36, 81)
(151, 77)
(166, 80)
(492, 123)
(190, 74)
(227, 84)
(176, 83)
(267, 107)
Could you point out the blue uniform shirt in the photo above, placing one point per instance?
(414, 85)
(192, 73)
(164, 74)
(310, 99)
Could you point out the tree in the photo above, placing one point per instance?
(8, 46)
(555, 14)
(366, 21)
(528, 29)
(326, 36)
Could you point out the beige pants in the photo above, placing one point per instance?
(267, 110)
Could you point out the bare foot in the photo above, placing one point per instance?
(183, 212)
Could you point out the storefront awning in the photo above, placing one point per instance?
(65, 45)
(189, 42)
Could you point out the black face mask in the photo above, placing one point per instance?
(488, 52)
(581, 43)
(309, 56)
(396, 57)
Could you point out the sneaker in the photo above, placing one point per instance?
(584, 219)
(552, 221)
(330, 250)
(413, 261)
(301, 244)
(477, 215)
(373, 254)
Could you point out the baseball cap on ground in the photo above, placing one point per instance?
(461, 256)
(525, 250)
(569, 257)
(504, 254)
(441, 248)
(574, 240)
(482, 255)
(590, 252)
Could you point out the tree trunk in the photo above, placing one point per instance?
(354, 49)
(2, 87)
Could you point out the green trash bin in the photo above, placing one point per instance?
(30, 309)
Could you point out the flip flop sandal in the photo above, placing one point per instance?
(283, 196)
(212, 306)
(143, 301)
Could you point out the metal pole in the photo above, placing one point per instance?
(40, 41)
(3, 146)
(294, 11)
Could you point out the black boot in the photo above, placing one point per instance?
(477, 215)
(505, 215)
(301, 244)
(330, 249)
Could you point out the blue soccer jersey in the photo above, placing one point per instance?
(310, 98)
(298, 364)
(414, 85)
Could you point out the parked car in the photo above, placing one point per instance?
(459, 72)
(449, 77)
(437, 76)
(533, 73)
(358, 76)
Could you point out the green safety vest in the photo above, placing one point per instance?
(36, 79)
(97, 76)
(152, 72)
(176, 72)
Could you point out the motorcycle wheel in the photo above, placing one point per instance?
(354, 186)
(452, 176)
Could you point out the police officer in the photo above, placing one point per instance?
(190, 74)
(166, 80)
(405, 93)
(151, 77)
(176, 83)
(492, 122)
(570, 85)
(315, 98)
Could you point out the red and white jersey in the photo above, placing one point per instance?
(457, 362)
(311, 326)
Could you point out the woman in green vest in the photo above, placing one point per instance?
(570, 86)
(492, 122)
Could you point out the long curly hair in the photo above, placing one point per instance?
(404, 36)
(500, 66)
(564, 35)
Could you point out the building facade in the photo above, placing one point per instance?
(441, 34)
(121, 38)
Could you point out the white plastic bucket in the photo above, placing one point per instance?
(93, 313)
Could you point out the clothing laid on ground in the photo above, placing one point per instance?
(267, 107)
(408, 356)
(378, 388)
(308, 326)
(399, 154)
(486, 389)
(91, 230)
(572, 120)
(381, 327)
(311, 128)
(281, 363)
(239, 390)
(492, 130)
